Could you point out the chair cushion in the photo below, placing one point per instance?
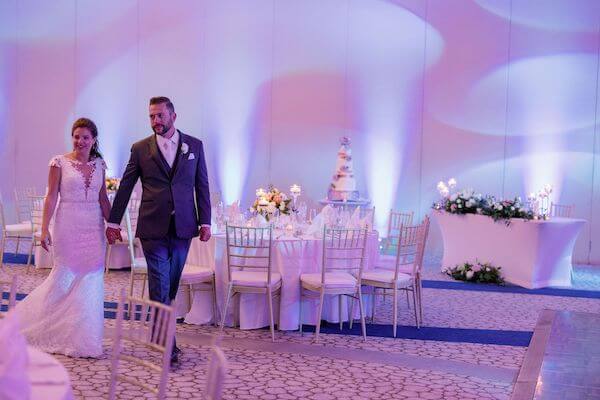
(254, 278)
(332, 280)
(196, 273)
(23, 228)
(385, 276)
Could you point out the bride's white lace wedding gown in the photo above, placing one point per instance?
(65, 314)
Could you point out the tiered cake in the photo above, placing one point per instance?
(343, 186)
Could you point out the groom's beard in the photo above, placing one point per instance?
(161, 129)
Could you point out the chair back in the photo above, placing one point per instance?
(249, 248)
(217, 370)
(343, 250)
(37, 212)
(396, 220)
(2, 217)
(8, 294)
(562, 210)
(411, 246)
(23, 203)
(151, 327)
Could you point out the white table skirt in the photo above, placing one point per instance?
(532, 254)
(48, 377)
(291, 257)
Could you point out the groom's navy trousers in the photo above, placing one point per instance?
(165, 258)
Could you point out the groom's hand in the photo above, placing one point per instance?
(113, 234)
(205, 233)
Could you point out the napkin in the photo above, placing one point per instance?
(327, 216)
(14, 362)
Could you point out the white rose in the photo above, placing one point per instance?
(512, 209)
(470, 274)
(460, 206)
(282, 206)
(499, 207)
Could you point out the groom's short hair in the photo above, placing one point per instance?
(161, 100)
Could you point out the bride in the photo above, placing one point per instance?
(65, 314)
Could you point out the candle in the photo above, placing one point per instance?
(295, 189)
(260, 192)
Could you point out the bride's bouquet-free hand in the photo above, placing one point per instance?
(269, 203)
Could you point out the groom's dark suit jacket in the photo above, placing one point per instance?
(167, 192)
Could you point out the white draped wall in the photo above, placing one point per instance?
(502, 95)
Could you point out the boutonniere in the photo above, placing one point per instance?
(184, 148)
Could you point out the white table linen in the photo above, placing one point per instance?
(291, 257)
(48, 377)
(532, 254)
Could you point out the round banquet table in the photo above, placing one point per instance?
(49, 379)
(291, 257)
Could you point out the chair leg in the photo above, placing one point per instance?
(374, 300)
(340, 311)
(17, 248)
(224, 312)
(319, 312)
(107, 258)
(2, 246)
(420, 299)
(189, 296)
(301, 333)
(30, 256)
(362, 314)
(395, 307)
(407, 300)
(131, 314)
(214, 301)
(271, 322)
(351, 317)
(414, 291)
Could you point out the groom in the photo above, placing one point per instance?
(172, 169)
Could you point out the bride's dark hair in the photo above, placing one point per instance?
(91, 126)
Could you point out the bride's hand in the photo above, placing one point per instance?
(46, 240)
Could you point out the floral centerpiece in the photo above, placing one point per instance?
(112, 184)
(475, 272)
(467, 201)
(268, 203)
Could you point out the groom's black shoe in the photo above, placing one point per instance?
(175, 355)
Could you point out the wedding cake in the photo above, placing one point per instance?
(343, 186)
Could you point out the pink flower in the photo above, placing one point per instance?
(453, 207)
(277, 198)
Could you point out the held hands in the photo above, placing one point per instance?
(113, 234)
(46, 240)
(204, 233)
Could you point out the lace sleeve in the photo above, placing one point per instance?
(55, 162)
(102, 164)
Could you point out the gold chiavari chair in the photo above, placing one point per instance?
(8, 286)
(23, 209)
(409, 256)
(11, 232)
(249, 267)
(152, 327)
(562, 210)
(341, 273)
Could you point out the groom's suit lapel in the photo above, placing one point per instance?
(157, 157)
(180, 157)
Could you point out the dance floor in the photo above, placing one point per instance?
(472, 346)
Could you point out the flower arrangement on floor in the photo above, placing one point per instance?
(467, 201)
(269, 203)
(475, 272)
(112, 184)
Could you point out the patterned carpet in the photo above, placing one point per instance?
(343, 366)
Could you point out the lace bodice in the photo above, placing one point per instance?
(79, 182)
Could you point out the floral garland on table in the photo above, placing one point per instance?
(112, 184)
(268, 203)
(475, 272)
(467, 201)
